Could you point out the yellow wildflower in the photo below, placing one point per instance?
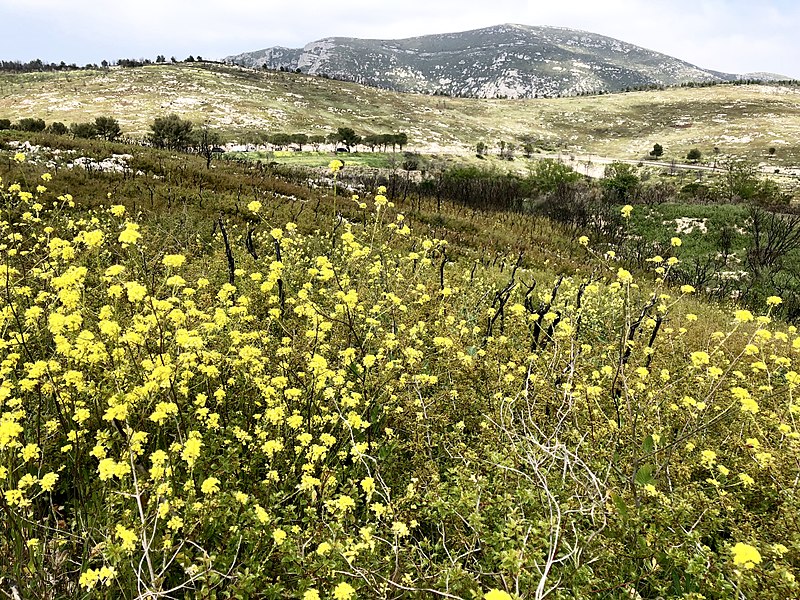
(344, 591)
(210, 486)
(746, 555)
(496, 594)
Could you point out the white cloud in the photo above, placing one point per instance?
(728, 35)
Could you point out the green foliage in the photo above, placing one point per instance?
(412, 161)
(57, 128)
(657, 151)
(347, 136)
(171, 132)
(279, 140)
(107, 128)
(5, 124)
(694, 155)
(31, 124)
(527, 147)
(547, 175)
(300, 139)
(316, 140)
(621, 182)
(205, 142)
(83, 130)
(741, 182)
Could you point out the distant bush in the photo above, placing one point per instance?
(657, 151)
(621, 183)
(742, 182)
(547, 175)
(694, 155)
(5, 124)
(31, 124)
(698, 191)
(83, 130)
(107, 128)
(57, 128)
(411, 161)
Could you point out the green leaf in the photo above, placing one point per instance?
(648, 445)
(645, 474)
(619, 503)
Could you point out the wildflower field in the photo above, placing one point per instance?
(216, 384)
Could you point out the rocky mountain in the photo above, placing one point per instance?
(762, 76)
(513, 61)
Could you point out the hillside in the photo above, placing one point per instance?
(513, 61)
(739, 120)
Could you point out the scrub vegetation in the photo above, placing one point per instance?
(256, 381)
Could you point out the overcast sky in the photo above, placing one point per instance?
(736, 36)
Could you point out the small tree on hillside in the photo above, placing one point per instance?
(694, 155)
(300, 139)
(279, 140)
(527, 148)
(30, 124)
(205, 141)
(480, 149)
(657, 151)
(316, 141)
(548, 175)
(171, 132)
(371, 140)
(56, 128)
(621, 182)
(86, 131)
(107, 128)
(348, 137)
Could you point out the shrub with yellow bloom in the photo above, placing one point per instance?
(338, 387)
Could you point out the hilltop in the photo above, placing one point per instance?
(510, 60)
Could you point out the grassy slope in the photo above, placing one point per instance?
(740, 120)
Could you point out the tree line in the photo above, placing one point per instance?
(174, 133)
(103, 127)
(345, 136)
(39, 66)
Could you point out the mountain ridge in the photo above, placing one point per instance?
(509, 60)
